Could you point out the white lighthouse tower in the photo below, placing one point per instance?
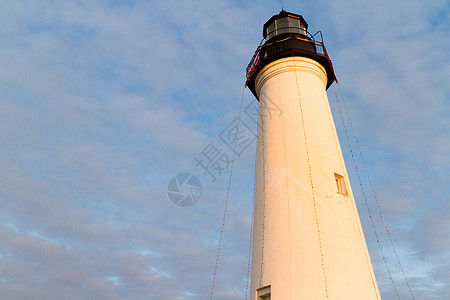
(308, 242)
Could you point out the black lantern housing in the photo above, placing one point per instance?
(284, 23)
(286, 35)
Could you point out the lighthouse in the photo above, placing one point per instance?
(308, 242)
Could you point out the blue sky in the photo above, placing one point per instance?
(103, 102)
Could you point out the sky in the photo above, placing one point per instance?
(103, 103)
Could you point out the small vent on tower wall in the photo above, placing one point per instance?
(340, 183)
(263, 293)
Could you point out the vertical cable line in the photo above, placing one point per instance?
(373, 191)
(311, 180)
(253, 218)
(365, 199)
(226, 198)
(261, 117)
(288, 199)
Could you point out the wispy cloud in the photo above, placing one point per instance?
(103, 102)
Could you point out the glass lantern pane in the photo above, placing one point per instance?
(271, 30)
(282, 26)
(294, 25)
(303, 29)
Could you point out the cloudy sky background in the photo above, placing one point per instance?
(103, 102)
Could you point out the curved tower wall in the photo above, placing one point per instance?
(308, 242)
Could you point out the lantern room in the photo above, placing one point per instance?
(286, 35)
(283, 23)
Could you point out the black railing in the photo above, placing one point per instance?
(311, 46)
(252, 66)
